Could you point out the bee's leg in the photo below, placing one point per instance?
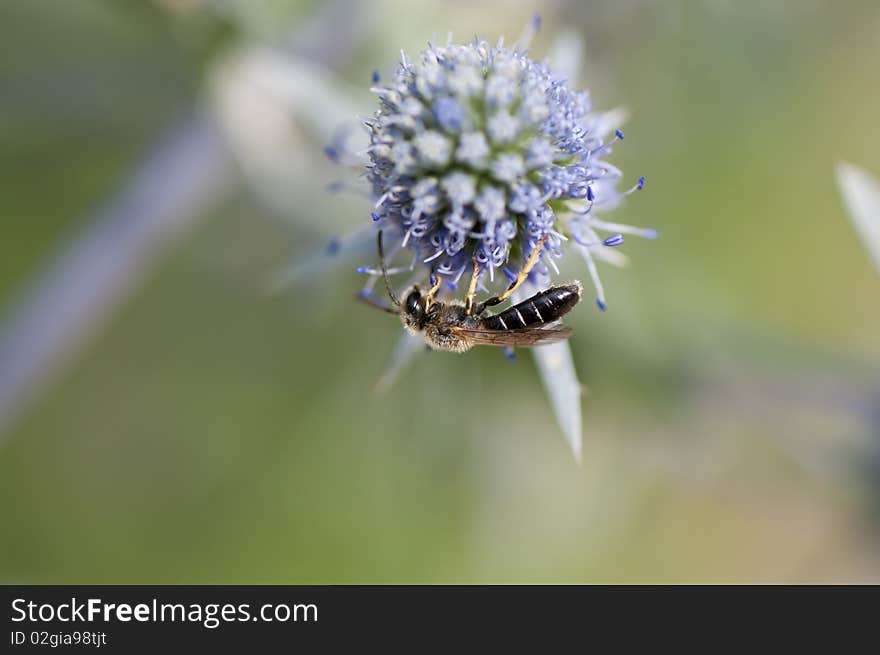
(375, 305)
(432, 292)
(472, 289)
(520, 278)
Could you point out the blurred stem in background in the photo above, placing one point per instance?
(187, 175)
(190, 171)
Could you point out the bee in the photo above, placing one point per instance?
(457, 326)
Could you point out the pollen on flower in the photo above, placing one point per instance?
(477, 152)
(434, 149)
(473, 150)
(460, 188)
(508, 167)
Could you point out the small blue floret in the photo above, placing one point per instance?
(614, 240)
(449, 114)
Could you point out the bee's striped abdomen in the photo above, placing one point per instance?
(544, 307)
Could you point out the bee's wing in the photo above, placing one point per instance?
(524, 338)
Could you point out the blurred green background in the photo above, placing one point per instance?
(209, 431)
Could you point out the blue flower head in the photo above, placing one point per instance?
(476, 151)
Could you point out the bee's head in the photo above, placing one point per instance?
(414, 310)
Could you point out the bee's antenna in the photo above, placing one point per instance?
(388, 288)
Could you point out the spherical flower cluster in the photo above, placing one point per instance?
(476, 151)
